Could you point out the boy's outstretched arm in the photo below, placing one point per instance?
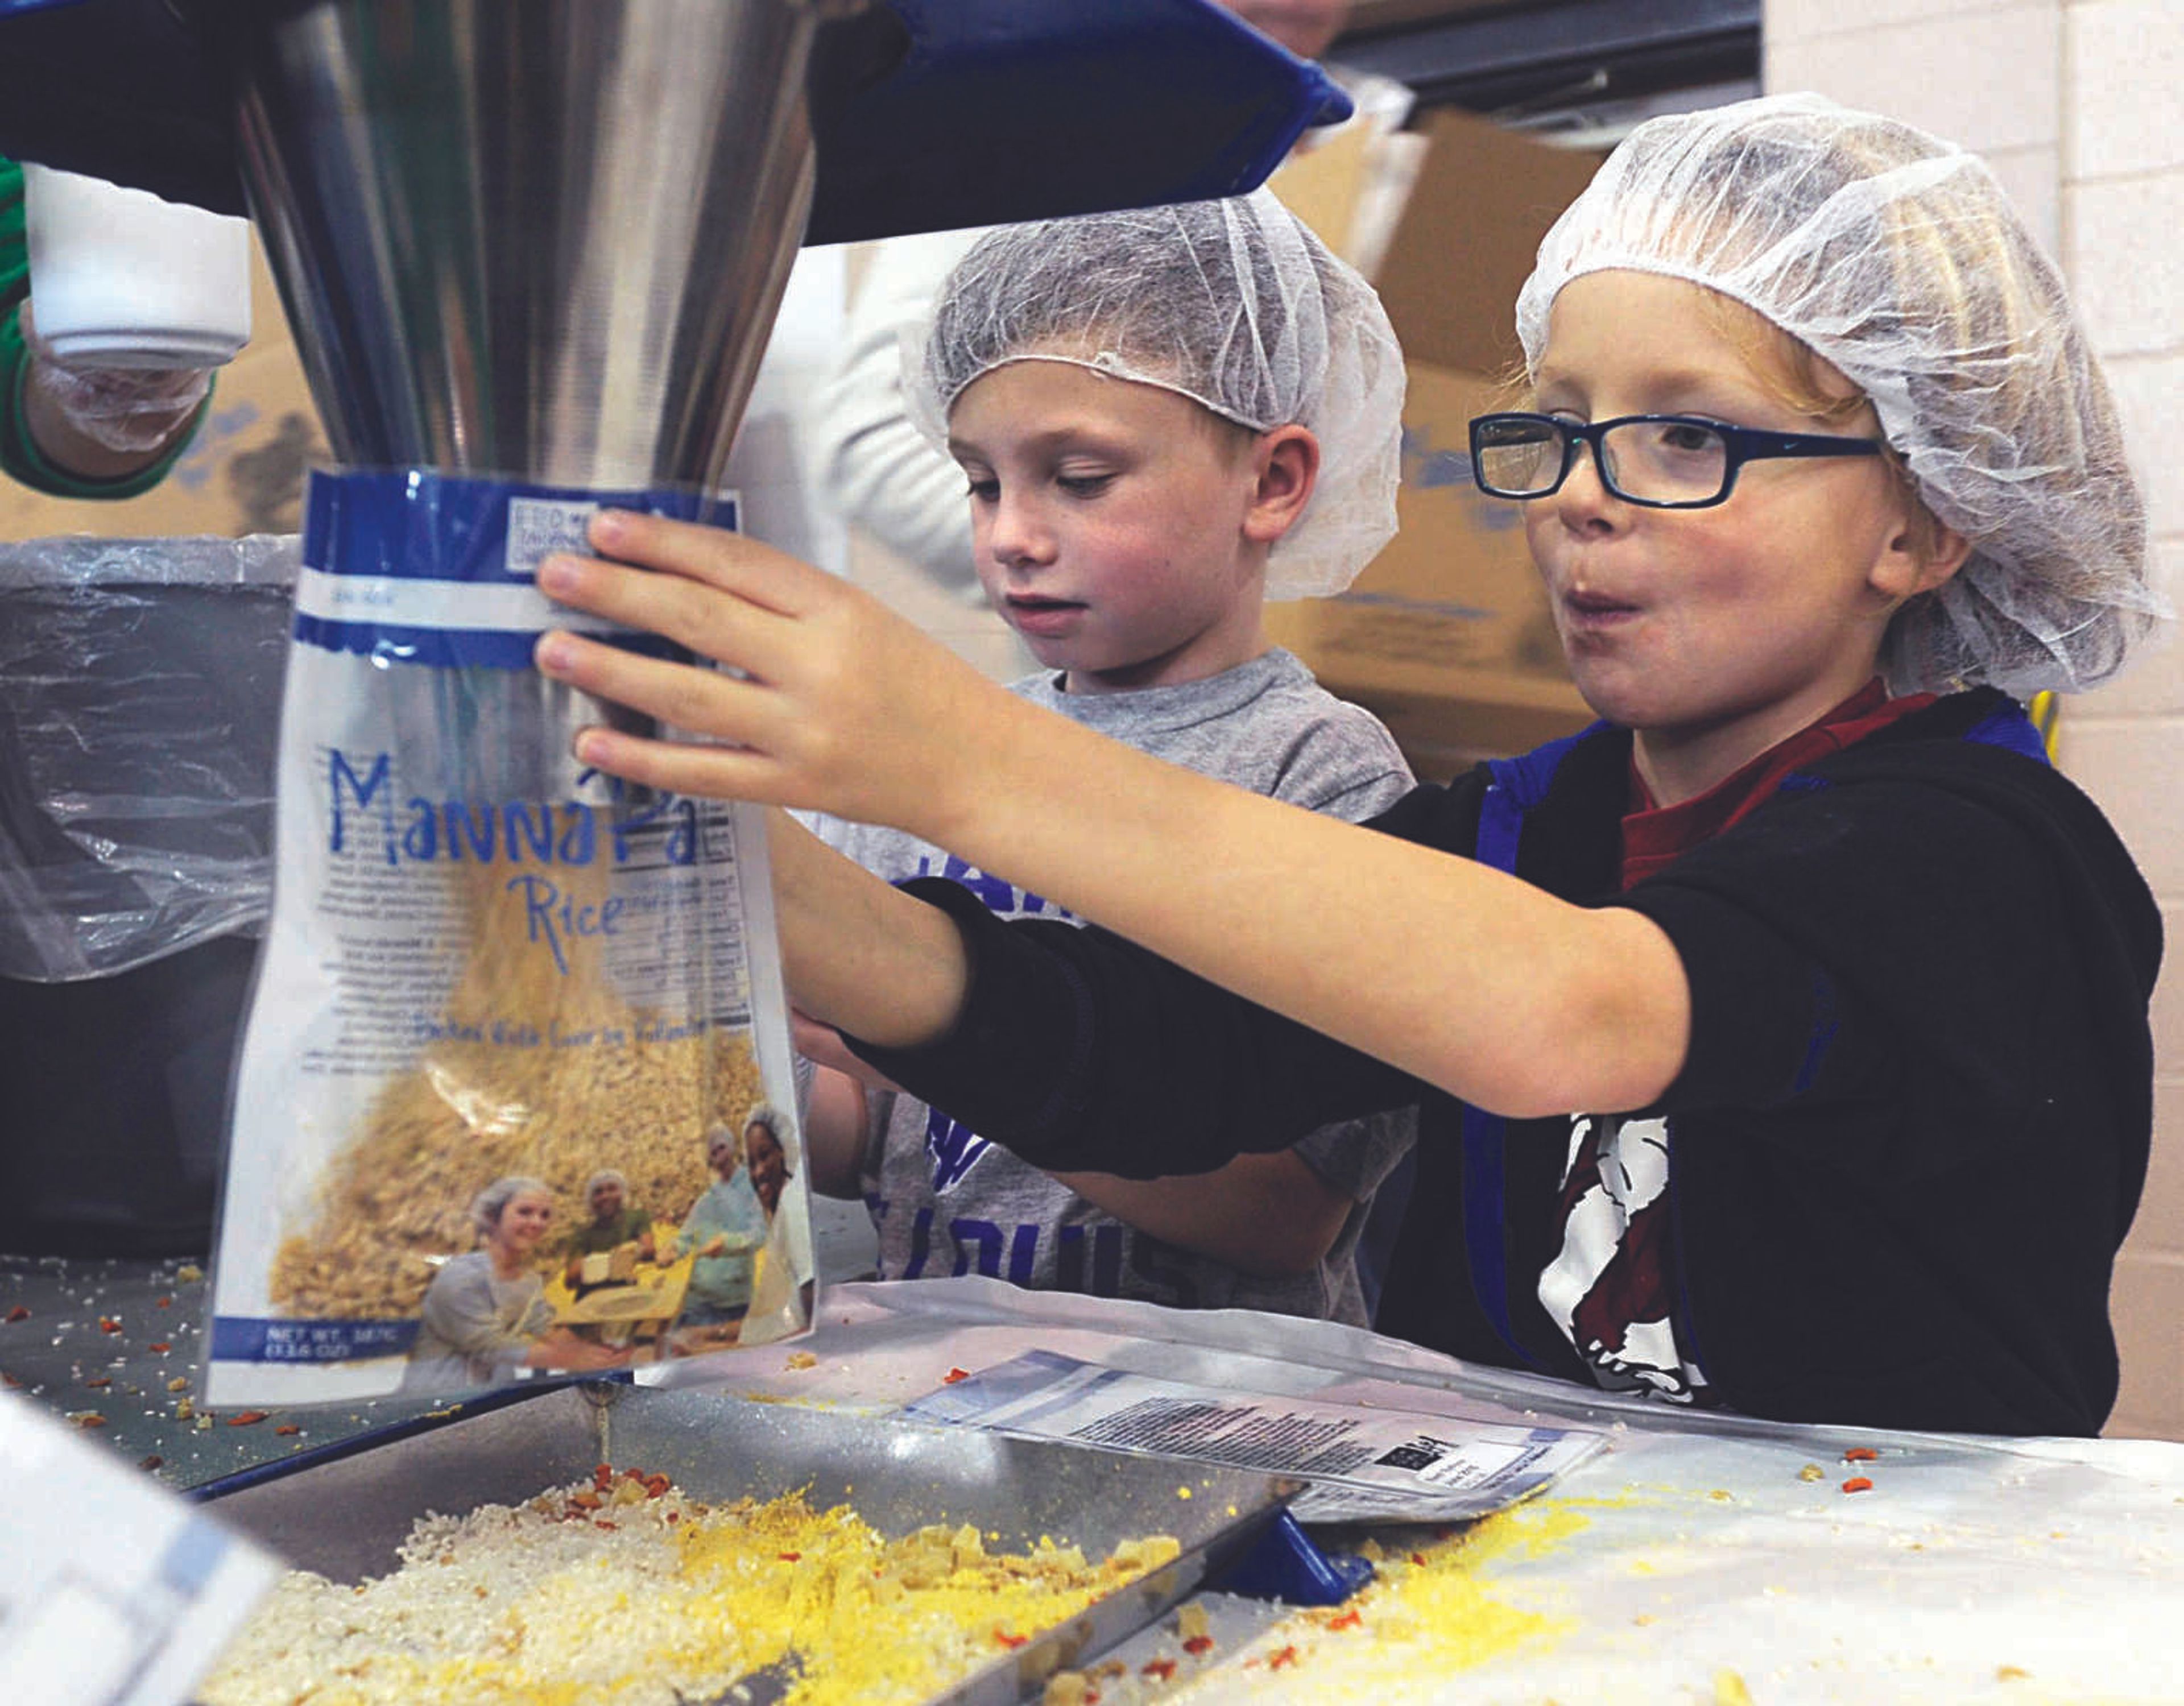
(854, 945)
(1461, 975)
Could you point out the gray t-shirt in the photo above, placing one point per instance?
(945, 1202)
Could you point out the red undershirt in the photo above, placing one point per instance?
(1655, 835)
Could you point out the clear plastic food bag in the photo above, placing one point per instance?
(511, 1012)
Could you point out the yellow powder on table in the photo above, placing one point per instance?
(1432, 1609)
(1440, 1602)
(583, 1596)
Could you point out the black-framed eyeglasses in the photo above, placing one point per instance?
(1663, 462)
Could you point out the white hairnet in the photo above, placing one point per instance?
(1233, 303)
(491, 1203)
(1897, 258)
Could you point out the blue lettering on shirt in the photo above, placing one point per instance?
(984, 1247)
(979, 1241)
(987, 1247)
(1002, 897)
(920, 1245)
(1106, 1262)
(954, 1150)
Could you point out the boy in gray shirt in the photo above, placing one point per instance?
(1166, 417)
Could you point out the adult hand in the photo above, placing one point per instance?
(104, 422)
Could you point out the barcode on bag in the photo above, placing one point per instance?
(1421, 1454)
(537, 526)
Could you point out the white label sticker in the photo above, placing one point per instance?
(538, 526)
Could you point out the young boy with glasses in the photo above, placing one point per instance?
(1783, 1038)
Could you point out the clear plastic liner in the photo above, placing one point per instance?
(140, 693)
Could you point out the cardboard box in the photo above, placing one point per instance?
(243, 473)
(1447, 635)
(1483, 199)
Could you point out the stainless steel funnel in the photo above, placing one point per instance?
(541, 240)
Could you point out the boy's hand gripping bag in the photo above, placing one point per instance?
(515, 1019)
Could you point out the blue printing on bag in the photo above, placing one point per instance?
(419, 525)
(250, 1339)
(444, 648)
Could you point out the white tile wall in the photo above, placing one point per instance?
(2167, 1019)
(2160, 1223)
(2150, 394)
(2080, 105)
(2126, 263)
(2130, 766)
(2147, 1303)
(2154, 684)
(2126, 60)
(2123, 199)
(1990, 80)
(1797, 21)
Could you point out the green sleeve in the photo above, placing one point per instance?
(19, 458)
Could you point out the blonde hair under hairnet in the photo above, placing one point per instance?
(1233, 303)
(1897, 258)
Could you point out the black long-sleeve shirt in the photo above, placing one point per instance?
(1908, 1138)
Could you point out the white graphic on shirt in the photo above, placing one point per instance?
(1608, 1289)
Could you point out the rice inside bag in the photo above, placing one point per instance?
(515, 1094)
